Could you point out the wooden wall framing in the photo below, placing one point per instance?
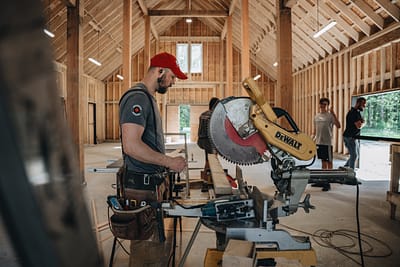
(92, 93)
(341, 76)
(197, 90)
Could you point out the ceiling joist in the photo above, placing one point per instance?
(188, 13)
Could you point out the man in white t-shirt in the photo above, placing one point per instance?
(323, 134)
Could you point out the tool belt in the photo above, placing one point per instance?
(137, 224)
(139, 196)
(143, 181)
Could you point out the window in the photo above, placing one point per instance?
(196, 57)
(184, 119)
(382, 116)
(182, 55)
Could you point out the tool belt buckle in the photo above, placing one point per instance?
(146, 179)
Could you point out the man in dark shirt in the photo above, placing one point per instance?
(203, 139)
(354, 122)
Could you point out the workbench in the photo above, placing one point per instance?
(393, 195)
(305, 258)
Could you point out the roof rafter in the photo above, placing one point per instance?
(345, 9)
(391, 9)
(369, 12)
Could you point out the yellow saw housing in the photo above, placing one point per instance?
(297, 144)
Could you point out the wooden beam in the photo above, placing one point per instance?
(334, 31)
(69, 3)
(284, 90)
(376, 42)
(393, 195)
(245, 52)
(195, 84)
(231, 9)
(229, 59)
(290, 3)
(372, 15)
(308, 44)
(146, 13)
(382, 68)
(74, 70)
(345, 9)
(146, 48)
(307, 31)
(391, 9)
(189, 38)
(393, 62)
(127, 45)
(341, 22)
(188, 13)
(143, 7)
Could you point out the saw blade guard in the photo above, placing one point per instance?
(233, 134)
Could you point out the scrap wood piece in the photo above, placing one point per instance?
(221, 184)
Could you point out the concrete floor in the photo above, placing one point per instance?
(335, 210)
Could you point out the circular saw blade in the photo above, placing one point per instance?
(233, 134)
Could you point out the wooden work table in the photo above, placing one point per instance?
(393, 195)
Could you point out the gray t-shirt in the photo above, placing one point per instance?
(323, 123)
(135, 107)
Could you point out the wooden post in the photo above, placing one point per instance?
(147, 33)
(229, 59)
(42, 197)
(127, 45)
(245, 43)
(284, 92)
(74, 69)
(393, 196)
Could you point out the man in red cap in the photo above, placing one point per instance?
(143, 149)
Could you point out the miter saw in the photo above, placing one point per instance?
(245, 131)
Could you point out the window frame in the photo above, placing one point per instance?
(184, 51)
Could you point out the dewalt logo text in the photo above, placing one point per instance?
(288, 140)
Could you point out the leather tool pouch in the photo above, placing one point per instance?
(133, 224)
(135, 221)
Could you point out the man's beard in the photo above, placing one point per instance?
(161, 89)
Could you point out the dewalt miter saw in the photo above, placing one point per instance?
(245, 131)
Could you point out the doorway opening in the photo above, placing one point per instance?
(184, 120)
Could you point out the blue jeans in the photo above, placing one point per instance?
(354, 150)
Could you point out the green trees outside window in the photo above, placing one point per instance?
(382, 115)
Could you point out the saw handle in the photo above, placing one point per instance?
(281, 112)
(257, 96)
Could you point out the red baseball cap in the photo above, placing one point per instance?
(165, 60)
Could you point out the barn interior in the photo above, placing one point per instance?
(59, 106)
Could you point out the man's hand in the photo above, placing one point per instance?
(360, 123)
(177, 164)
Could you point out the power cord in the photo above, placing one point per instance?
(358, 226)
(325, 238)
